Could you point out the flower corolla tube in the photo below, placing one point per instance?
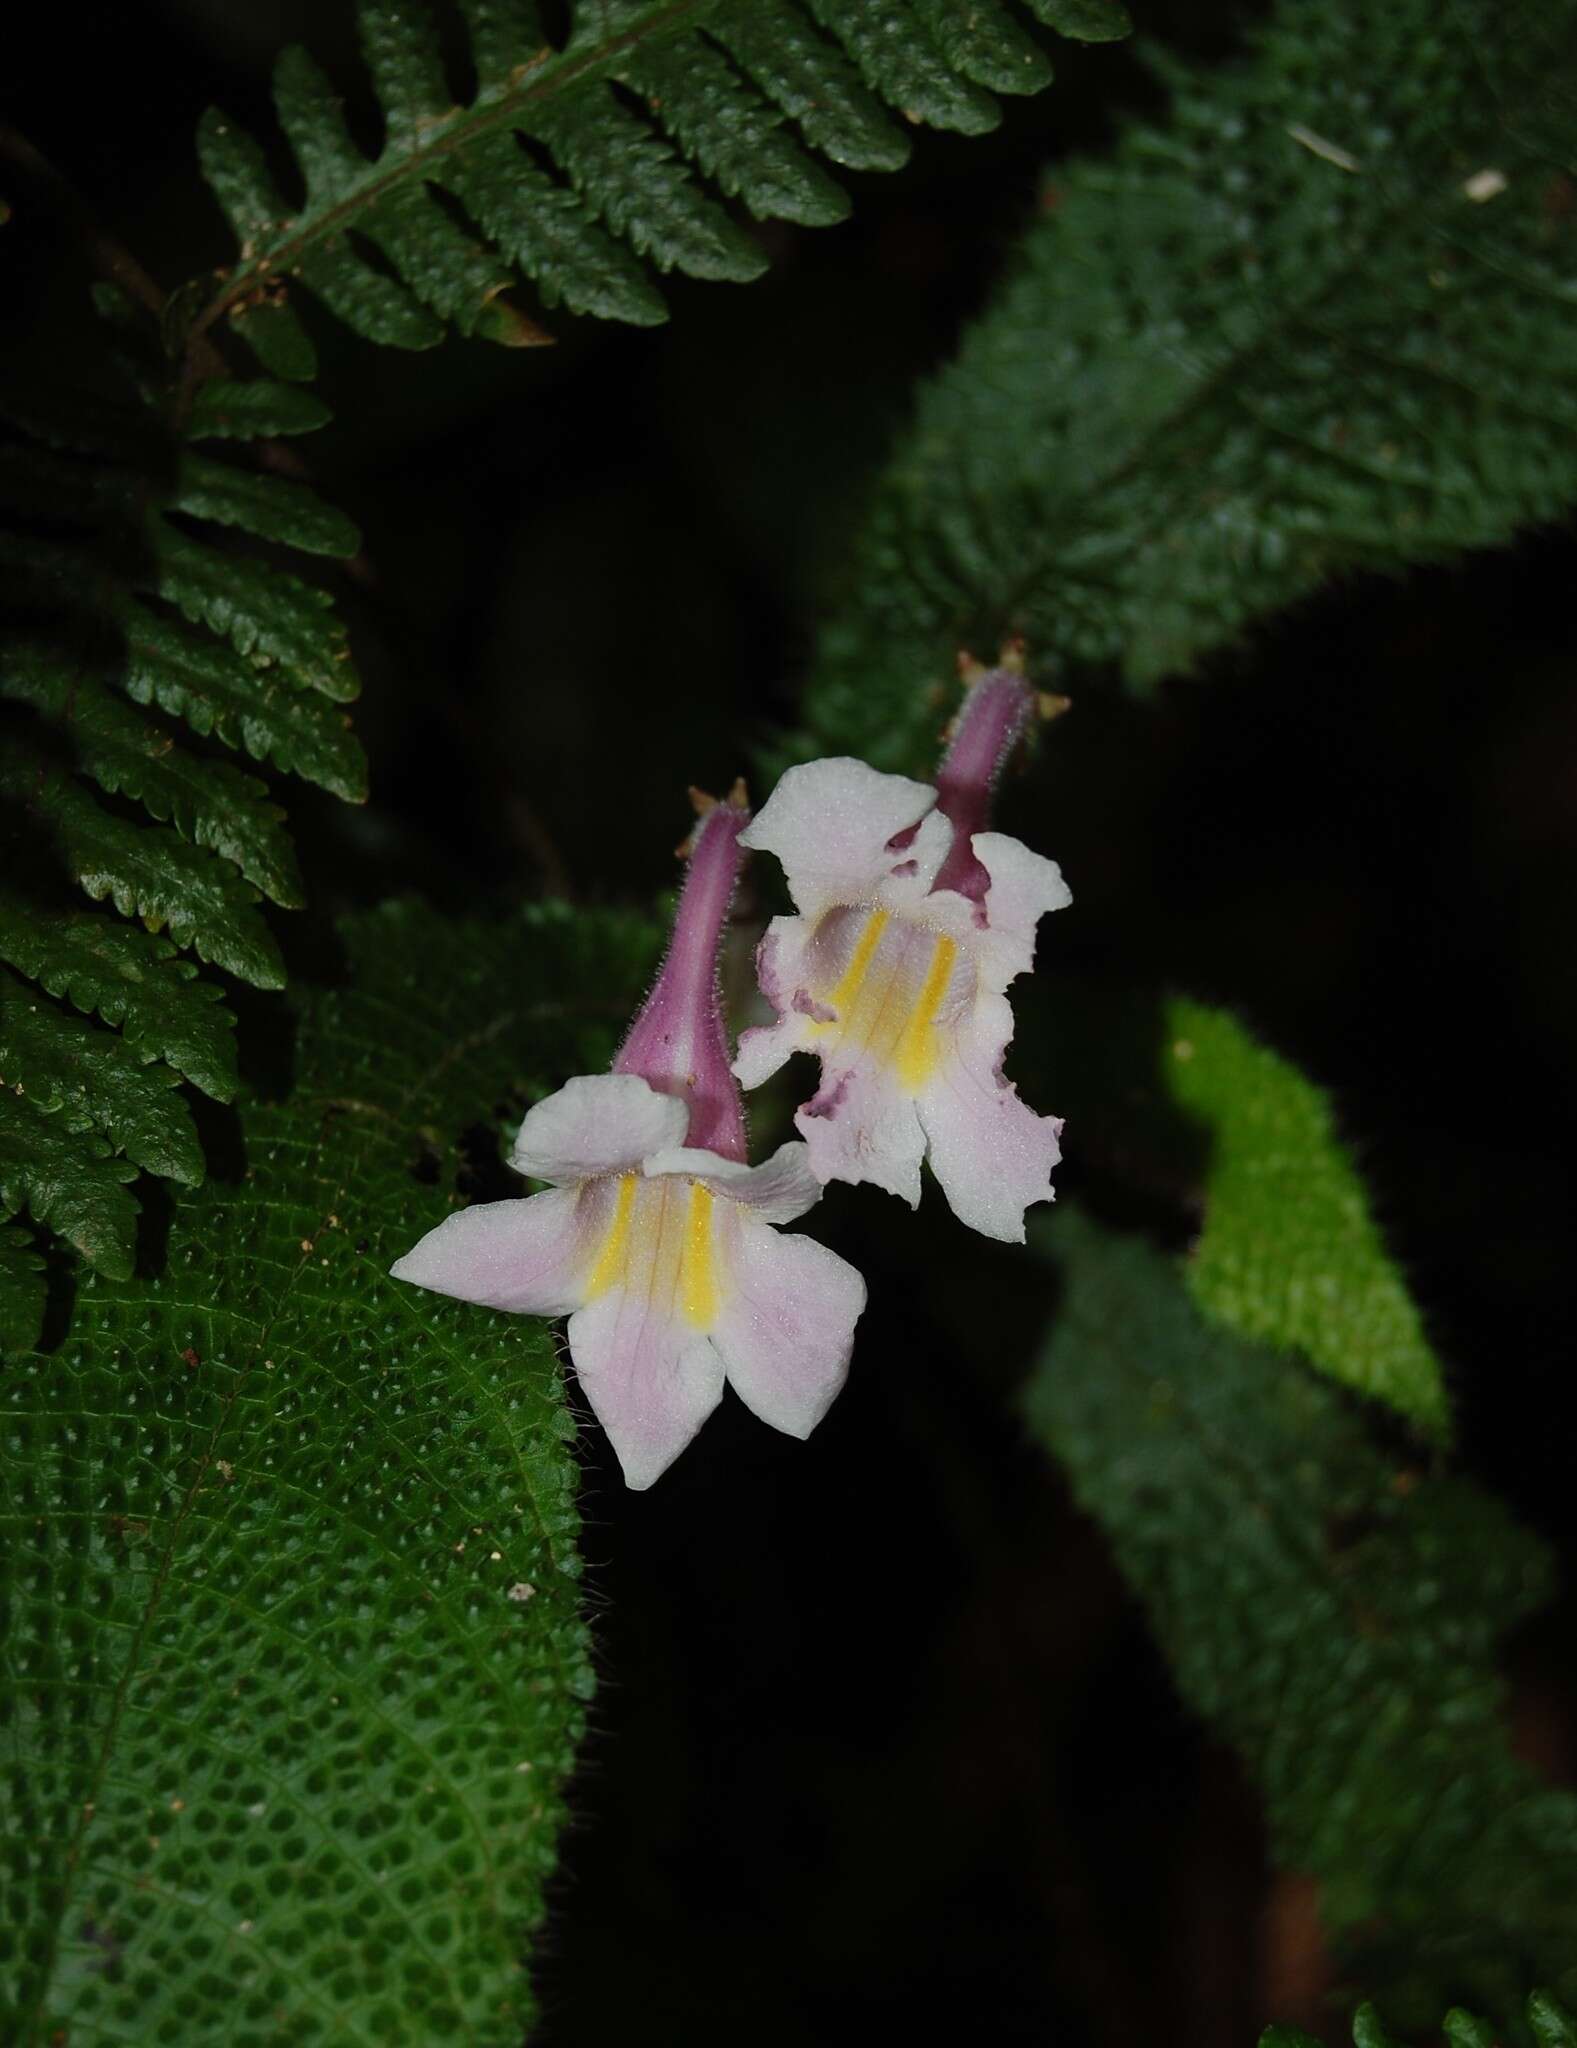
(656, 1238)
(913, 920)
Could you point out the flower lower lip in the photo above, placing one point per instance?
(884, 1005)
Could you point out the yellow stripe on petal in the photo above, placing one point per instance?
(846, 994)
(698, 1271)
(609, 1269)
(918, 1052)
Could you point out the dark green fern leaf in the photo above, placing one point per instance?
(1319, 321)
(72, 1182)
(130, 977)
(112, 525)
(296, 1665)
(209, 802)
(578, 167)
(93, 1081)
(148, 872)
(1548, 2025)
(1331, 1611)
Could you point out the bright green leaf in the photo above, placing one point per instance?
(1290, 1254)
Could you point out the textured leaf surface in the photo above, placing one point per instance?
(1319, 320)
(650, 109)
(296, 1663)
(1290, 1254)
(21, 1289)
(1334, 1614)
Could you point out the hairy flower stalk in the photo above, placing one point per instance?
(655, 1237)
(913, 919)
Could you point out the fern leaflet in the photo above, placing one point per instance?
(135, 607)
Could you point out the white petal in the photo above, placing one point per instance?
(764, 1047)
(597, 1123)
(779, 969)
(992, 1154)
(779, 1190)
(651, 1379)
(1024, 887)
(913, 868)
(529, 1255)
(859, 1126)
(829, 822)
(787, 1325)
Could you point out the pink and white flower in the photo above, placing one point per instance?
(656, 1238)
(912, 922)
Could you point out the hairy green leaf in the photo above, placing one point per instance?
(1334, 1613)
(297, 1663)
(1290, 1254)
(714, 80)
(1319, 320)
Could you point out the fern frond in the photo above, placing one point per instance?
(93, 1081)
(581, 168)
(133, 979)
(1334, 1614)
(120, 555)
(1318, 321)
(1548, 2025)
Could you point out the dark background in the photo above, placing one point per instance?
(881, 1740)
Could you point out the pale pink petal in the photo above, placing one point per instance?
(787, 1325)
(859, 1126)
(779, 969)
(779, 1190)
(528, 1255)
(652, 1379)
(1023, 887)
(597, 1123)
(780, 958)
(992, 1154)
(829, 823)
